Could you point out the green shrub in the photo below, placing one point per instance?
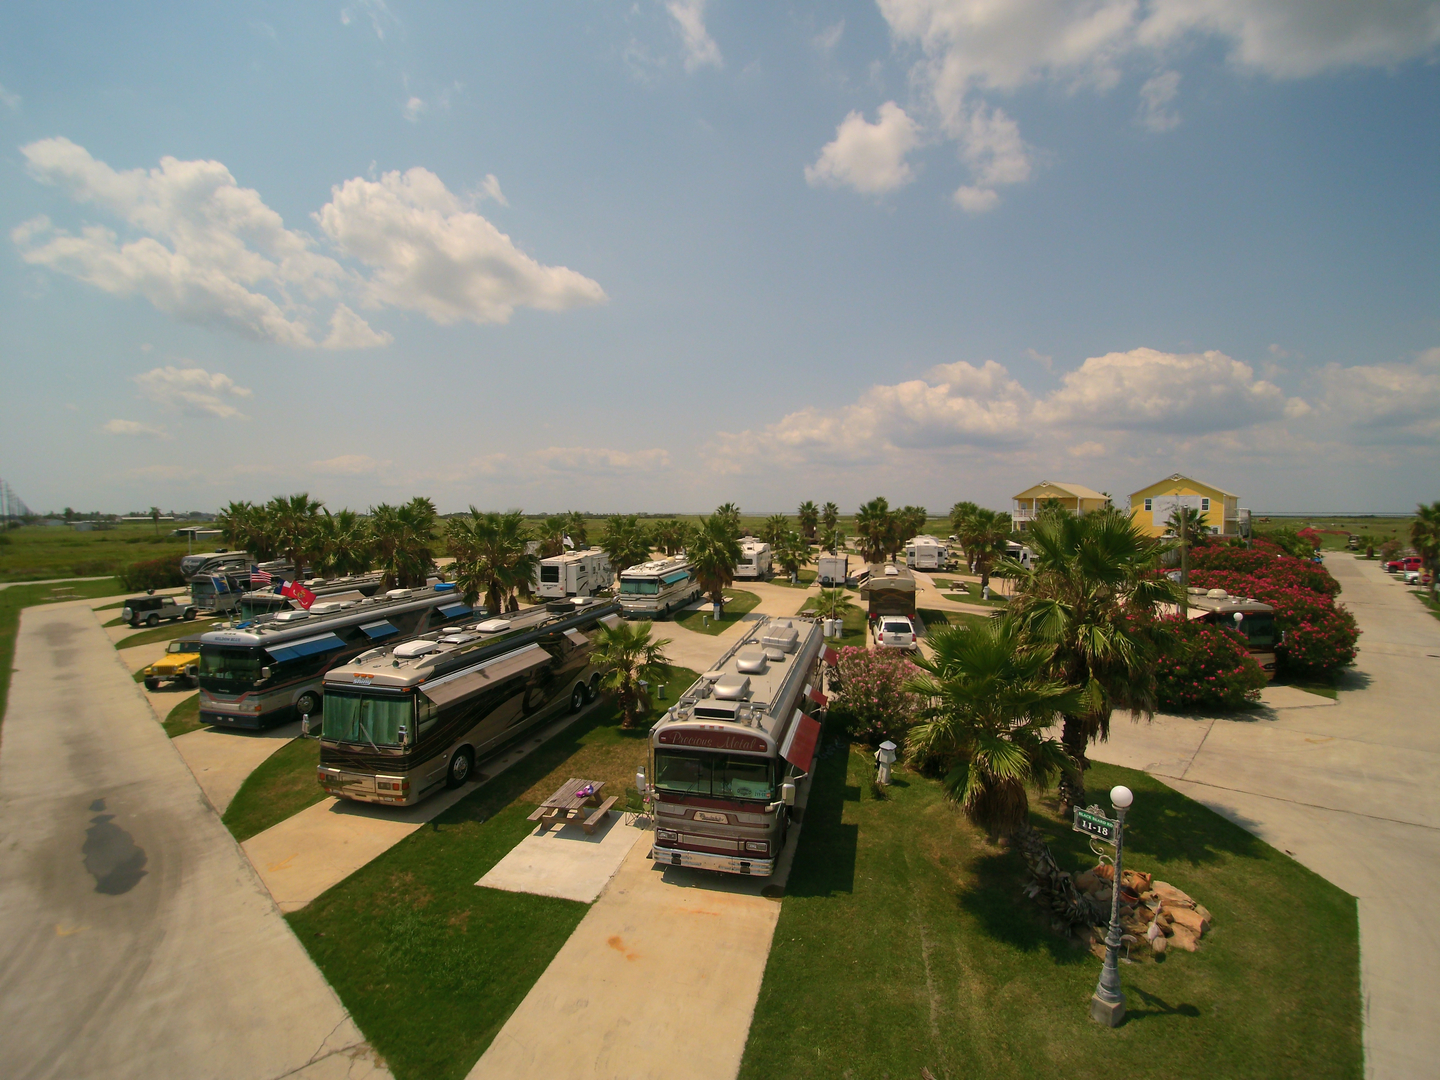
(161, 573)
(871, 702)
(1207, 667)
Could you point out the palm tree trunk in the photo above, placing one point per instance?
(1072, 784)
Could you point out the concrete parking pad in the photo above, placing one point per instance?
(565, 862)
(221, 759)
(135, 941)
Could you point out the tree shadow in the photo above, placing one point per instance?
(994, 897)
(825, 859)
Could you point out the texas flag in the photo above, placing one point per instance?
(299, 593)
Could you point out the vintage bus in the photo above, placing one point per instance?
(653, 590)
(1253, 619)
(726, 759)
(402, 721)
(270, 671)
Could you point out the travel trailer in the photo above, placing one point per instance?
(755, 560)
(833, 571)
(926, 553)
(575, 573)
(887, 589)
(653, 590)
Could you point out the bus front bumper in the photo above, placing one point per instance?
(702, 860)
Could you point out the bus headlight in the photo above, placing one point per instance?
(760, 847)
(667, 836)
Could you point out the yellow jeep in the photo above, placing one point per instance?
(179, 664)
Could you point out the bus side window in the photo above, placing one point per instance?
(426, 713)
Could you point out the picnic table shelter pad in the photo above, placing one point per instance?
(565, 862)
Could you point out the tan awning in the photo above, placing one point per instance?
(492, 674)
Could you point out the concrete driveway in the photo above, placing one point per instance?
(1352, 791)
(135, 940)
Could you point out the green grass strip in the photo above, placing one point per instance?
(164, 632)
(701, 622)
(184, 717)
(280, 787)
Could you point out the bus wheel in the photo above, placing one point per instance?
(577, 698)
(307, 705)
(594, 691)
(460, 766)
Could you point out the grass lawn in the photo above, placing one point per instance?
(807, 578)
(282, 786)
(13, 599)
(37, 552)
(1431, 605)
(165, 632)
(429, 965)
(1323, 687)
(970, 594)
(853, 629)
(934, 617)
(904, 942)
(700, 621)
(184, 717)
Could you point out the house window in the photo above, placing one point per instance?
(1205, 505)
(1147, 505)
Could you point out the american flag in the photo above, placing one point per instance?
(259, 577)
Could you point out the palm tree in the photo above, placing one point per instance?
(991, 698)
(575, 528)
(791, 552)
(1425, 535)
(625, 542)
(830, 515)
(402, 536)
(1185, 522)
(234, 523)
(155, 517)
(730, 513)
(669, 535)
(832, 539)
(875, 527)
(626, 649)
(491, 555)
(293, 518)
(552, 536)
(909, 521)
(343, 544)
(775, 527)
(713, 555)
(834, 604)
(1089, 590)
(809, 517)
(985, 536)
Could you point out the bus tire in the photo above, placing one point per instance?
(594, 690)
(307, 704)
(577, 698)
(461, 766)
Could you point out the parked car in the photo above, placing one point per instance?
(180, 664)
(1400, 566)
(153, 610)
(1417, 577)
(896, 632)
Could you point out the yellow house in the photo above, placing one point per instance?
(1151, 506)
(1077, 498)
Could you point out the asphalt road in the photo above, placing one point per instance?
(135, 939)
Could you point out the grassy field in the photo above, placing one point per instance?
(807, 578)
(184, 717)
(1334, 531)
(935, 617)
(701, 621)
(905, 942)
(37, 552)
(13, 599)
(280, 787)
(412, 927)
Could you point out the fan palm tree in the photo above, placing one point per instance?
(909, 521)
(234, 523)
(985, 536)
(791, 552)
(875, 528)
(1425, 535)
(575, 528)
(729, 513)
(343, 544)
(552, 535)
(1091, 584)
(1185, 522)
(775, 527)
(809, 517)
(668, 535)
(713, 555)
(958, 515)
(154, 516)
(991, 697)
(403, 535)
(832, 539)
(834, 604)
(830, 515)
(626, 542)
(294, 519)
(491, 555)
(627, 650)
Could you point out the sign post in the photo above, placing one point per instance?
(1107, 1004)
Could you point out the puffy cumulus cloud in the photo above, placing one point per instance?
(700, 48)
(350, 331)
(1180, 393)
(193, 390)
(868, 157)
(348, 465)
(1393, 403)
(428, 253)
(133, 429)
(601, 461)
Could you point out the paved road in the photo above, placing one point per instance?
(135, 940)
(1353, 792)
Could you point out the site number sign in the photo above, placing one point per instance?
(1095, 824)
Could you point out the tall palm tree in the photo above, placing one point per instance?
(729, 513)
(666, 534)
(809, 517)
(552, 535)
(1091, 584)
(294, 518)
(575, 527)
(776, 526)
(155, 517)
(234, 523)
(909, 521)
(403, 535)
(832, 539)
(834, 604)
(491, 555)
(627, 650)
(985, 536)
(830, 515)
(626, 542)
(1185, 522)
(991, 697)
(713, 555)
(343, 544)
(1425, 535)
(791, 552)
(959, 513)
(875, 528)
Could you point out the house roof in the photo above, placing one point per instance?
(1057, 487)
(1177, 478)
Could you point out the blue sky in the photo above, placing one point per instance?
(664, 255)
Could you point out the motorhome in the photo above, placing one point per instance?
(257, 602)
(1019, 552)
(1253, 619)
(270, 670)
(887, 589)
(726, 761)
(833, 571)
(214, 562)
(575, 573)
(653, 590)
(756, 560)
(926, 553)
(403, 720)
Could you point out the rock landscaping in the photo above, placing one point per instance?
(1153, 913)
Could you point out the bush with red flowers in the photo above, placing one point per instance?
(1206, 668)
(1267, 563)
(871, 701)
(1318, 634)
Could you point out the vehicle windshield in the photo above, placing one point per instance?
(1259, 629)
(716, 776)
(237, 668)
(897, 628)
(183, 646)
(367, 718)
(639, 586)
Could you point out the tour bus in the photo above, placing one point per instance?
(926, 553)
(654, 589)
(403, 720)
(1252, 618)
(726, 759)
(756, 559)
(270, 671)
(574, 573)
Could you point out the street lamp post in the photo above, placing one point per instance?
(1107, 1004)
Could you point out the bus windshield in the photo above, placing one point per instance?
(365, 718)
(639, 587)
(1259, 629)
(231, 668)
(716, 776)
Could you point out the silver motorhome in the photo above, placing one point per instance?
(575, 573)
(215, 562)
(653, 590)
(403, 720)
(756, 560)
(726, 760)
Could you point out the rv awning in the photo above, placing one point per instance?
(455, 610)
(678, 575)
(799, 745)
(492, 674)
(577, 639)
(293, 650)
(376, 630)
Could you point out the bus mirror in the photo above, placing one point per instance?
(265, 672)
(787, 793)
(404, 735)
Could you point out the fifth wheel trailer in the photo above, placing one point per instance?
(575, 573)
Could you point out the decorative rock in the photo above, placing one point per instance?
(1171, 896)
(1087, 882)
(1184, 937)
(1190, 919)
(1159, 944)
(1136, 880)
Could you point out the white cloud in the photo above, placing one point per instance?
(1392, 403)
(700, 48)
(429, 254)
(9, 99)
(133, 429)
(193, 390)
(868, 157)
(414, 108)
(381, 17)
(827, 39)
(1155, 97)
(600, 461)
(348, 465)
(490, 189)
(350, 331)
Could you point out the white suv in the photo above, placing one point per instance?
(895, 632)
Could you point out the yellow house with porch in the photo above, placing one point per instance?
(1077, 498)
(1150, 507)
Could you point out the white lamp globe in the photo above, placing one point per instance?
(1121, 797)
(1239, 616)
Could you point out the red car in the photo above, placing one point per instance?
(1399, 566)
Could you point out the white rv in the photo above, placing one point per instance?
(575, 573)
(755, 559)
(833, 570)
(654, 589)
(1019, 553)
(926, 553)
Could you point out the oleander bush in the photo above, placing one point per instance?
(1319, 635)
(1206, 668)
(871, 702)
(161, 573)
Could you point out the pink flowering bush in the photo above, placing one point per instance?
(1267, 563)
(871, 701)
(1206, 668)
(1319, 634)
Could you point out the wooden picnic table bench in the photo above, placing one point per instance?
(556, 810)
